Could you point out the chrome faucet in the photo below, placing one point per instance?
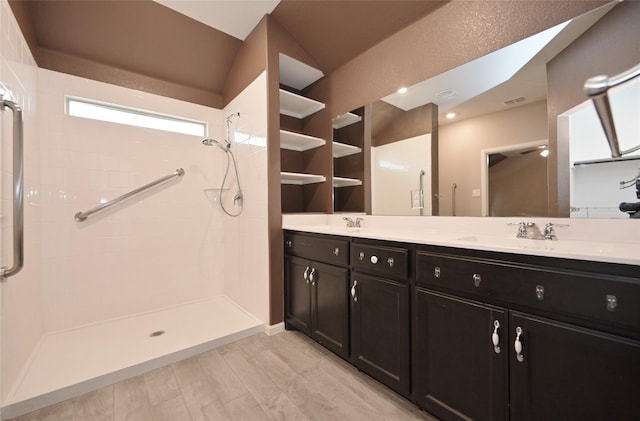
(528, 230)
(351, 223)
(531, 231)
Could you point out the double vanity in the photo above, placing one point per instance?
(468, 321)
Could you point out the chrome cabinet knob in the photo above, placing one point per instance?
(476, 279)
(374, 259)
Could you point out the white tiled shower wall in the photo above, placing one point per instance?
(162, 248)
(21, 311)
(246, 266)
(166, 247)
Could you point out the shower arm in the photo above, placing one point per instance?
(596, 88)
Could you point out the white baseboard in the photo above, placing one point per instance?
(274, 329)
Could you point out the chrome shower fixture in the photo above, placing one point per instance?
(211, 142)
(238, 198)
(230, 118)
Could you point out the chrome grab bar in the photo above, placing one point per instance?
(18, 191)
(454, 186)
(421, 182)
(81, 216)
(596, 88)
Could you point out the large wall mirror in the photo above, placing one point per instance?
(489, 159)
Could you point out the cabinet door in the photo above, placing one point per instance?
(298, 290)
(380, 330)
(330, 307)
(458, 373)
(570, 373)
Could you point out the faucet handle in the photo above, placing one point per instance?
(358, 222)
(350, 222)
(549, 233)
(522, 229)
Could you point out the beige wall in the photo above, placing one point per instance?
(518, 186)
(461, 143)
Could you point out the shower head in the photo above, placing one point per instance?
(210, 142)
(227, 143)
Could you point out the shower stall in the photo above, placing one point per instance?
(150, 280)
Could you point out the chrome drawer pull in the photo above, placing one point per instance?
(495, 338)
(336, 251)
(517, 345)
(353, 291)
(361, 256)
(289, 243)
(305, 275)
(476, 279)
(436, 272)
(390, 261)
(612, 303)
(313, 281)
(539, 292)
(374, 259)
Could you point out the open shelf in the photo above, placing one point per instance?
(298, 106)
(298, 141)
(300, 178)
(297, 74)
(343, 149)
(345, 119)
(346, 182)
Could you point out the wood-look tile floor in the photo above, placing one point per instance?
(281, 377)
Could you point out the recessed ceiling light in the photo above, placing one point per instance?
(450, 115)
(402, 90)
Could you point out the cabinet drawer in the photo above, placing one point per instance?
(602, 298)
(387, 262)
(323, 249)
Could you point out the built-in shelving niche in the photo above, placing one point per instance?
(348, 162)
(301, 150)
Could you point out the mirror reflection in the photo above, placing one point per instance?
(496, 103)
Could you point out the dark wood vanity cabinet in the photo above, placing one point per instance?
(471, 334)
(458, 374)
(566, 372)
(568, 338)
(380, 314)
(316, 293)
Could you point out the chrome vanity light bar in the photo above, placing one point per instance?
(596, 88)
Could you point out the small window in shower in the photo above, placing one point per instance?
(96, 110)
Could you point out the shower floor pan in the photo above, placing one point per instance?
(72, 362)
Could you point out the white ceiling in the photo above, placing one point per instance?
(234, 17)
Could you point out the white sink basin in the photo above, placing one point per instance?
(560, 246)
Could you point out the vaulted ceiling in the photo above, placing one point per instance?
(144, 38)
